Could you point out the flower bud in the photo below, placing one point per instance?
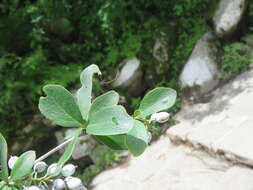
(33, 188)
(160, 117)
(59, 184)
(53, 170)
(68, 178)
(74, 183)
(40, 167)
(2, 183)
(12, 161)
(68, 170)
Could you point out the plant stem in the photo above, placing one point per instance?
(145, 121)
(54, 150)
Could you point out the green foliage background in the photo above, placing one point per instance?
(45, 41)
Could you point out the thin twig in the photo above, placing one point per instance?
(54, 150)
(110, 81)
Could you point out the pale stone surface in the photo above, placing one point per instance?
(238, 142)
(228, 16)
(222, 125)
(83, 146)
(164, 166)
(200, 74)
(242, 176)
(130, 77)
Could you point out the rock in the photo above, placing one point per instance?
(130, 77)
(160, 51)
(200, 74)
(83, 146)
(222, 126)
(34, 136)
(97, 154)
(164, 166)
(228, 16)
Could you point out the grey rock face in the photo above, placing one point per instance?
(160, 51)
(222, 126)
(83, 146)
(130, 77)
(228, 16)
(200, 74)
(33, 136)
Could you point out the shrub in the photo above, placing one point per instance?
(103, 118)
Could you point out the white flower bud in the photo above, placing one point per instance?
(40, 167)
(74, 183)
(1, 184)
(33, 188)
(160, 117)
(53, 170)
(12, 161)
(68, 170)
(68, 178)
(59, 184)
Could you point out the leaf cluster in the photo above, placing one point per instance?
(237, 57)
(103, 117)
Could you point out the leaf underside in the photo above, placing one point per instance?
(3, 159)
(115, 142)
(70, 148)
(110, 98)
(23, 166)
(157, 100)
(137, 138)
(112, 120)
(84, 93)
(60, 107)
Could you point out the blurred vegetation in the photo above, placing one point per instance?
(48, 41)
(103, 158)
(45, 41)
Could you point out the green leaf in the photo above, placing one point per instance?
(23, 166)
(3, 159)
(157, 100)
(137, 113)
(84, 93)
(110, 98)
(137, 138)
(6, 187)
(60, 107)
(116, 142)
(69, 150)
(2, 186)
(112, 120)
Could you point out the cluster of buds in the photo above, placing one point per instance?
(61, 177)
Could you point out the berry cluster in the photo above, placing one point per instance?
(54, 177)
